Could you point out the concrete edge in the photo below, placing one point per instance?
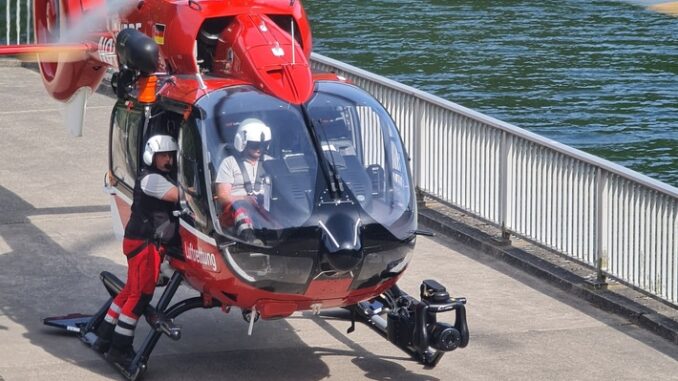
(606, 299)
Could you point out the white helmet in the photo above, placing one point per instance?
(158, 143)
(251, 130)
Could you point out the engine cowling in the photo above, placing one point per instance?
(64, 77)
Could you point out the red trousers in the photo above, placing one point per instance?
(143, 269)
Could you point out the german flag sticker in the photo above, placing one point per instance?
(159, 34)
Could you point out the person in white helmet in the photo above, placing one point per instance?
(241, 178)
(151, 228)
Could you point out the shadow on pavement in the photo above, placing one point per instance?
(40, 278)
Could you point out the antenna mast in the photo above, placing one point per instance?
(292, 28)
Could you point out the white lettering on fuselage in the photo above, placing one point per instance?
(204, 258)
(131, 25)
(107, 50)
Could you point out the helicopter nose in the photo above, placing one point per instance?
(341, 238)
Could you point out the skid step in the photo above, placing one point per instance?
(71, 322)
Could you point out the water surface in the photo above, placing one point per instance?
(601, 76)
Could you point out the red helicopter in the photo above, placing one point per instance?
(336, 223)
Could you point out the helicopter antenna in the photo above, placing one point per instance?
(292, 28)
(198, 75)
(253, 314)
(201, 83)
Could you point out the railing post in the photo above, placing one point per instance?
(601, 251)
(417, 134)
(8, 42)
(18, 22)
(503, 187)
(29, 27)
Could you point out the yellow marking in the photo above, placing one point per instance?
(670, 8)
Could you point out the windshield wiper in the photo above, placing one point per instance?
(330, 173)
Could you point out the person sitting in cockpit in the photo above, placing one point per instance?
(241, 180)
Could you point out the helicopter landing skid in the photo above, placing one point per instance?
(77, 324)
(71, 323)
(160, 318)
(412, 324)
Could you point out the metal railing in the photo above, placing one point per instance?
(618, 221)
(16, 22)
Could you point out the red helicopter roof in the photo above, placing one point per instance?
(248, 40)
(186, 88)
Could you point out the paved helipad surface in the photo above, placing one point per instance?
(55, 237)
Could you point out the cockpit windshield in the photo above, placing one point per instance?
(267, 176)
(361, 143)
(262, 163)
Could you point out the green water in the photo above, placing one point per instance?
(601, 76)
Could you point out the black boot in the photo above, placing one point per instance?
(121, 352)
(104, 336)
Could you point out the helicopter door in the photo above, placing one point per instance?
(125, 142)
(124, 155)
(191, 178)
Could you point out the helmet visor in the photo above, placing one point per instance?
(258, 145)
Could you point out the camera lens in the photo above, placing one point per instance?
(445, 337)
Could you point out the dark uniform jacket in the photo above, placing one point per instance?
(152, 218)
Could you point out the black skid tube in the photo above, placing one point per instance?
(176, 310)
(112, 283)
(160, 318)
(157, 320)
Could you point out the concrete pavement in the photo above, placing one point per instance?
(55, 237)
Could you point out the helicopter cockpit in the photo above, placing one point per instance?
(334, 193)
(360, 146)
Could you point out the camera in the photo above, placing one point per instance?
(413, 324)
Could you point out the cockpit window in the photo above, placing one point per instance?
(273, 166)
(362, 144)
(262, 165)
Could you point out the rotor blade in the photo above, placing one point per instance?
(670, 8)
(48, 52)
(661, 6)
